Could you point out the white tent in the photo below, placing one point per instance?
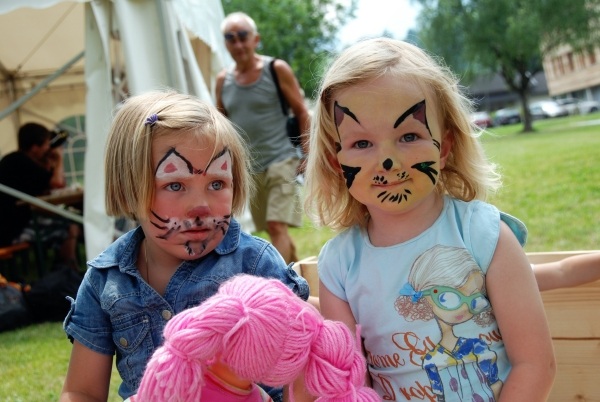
(64, 58)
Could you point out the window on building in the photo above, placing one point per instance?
(74, 149)
(570, 61)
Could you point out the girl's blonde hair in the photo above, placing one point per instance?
(468, 174)
(141, 119)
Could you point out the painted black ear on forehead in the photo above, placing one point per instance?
(418, 112)
(340, 111)
(172, 160)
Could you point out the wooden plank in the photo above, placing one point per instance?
(307, 268)
(574, 312)
(578, 371)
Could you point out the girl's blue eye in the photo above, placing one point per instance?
(174, 186)
(216, 185)
(362, 144)
(409, 137)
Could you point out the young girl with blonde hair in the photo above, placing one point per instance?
(178, 167)
(396, 167)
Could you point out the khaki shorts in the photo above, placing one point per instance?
(277, 197)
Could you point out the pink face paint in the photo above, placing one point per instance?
(173, 166)
(198, 212)
(191, 209)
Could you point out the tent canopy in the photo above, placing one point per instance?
(44, 76)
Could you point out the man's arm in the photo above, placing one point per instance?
(55, 165)
(293, 95)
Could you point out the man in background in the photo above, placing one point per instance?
(35, 169)
(247, 95)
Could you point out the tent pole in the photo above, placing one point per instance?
(41, 85)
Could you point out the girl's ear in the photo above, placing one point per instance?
(334, 163)
(446, 147)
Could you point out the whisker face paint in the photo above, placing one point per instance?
(191, 211)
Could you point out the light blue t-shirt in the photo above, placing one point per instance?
(406, 295)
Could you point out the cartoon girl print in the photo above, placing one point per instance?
(447, 285)
(174, 167)
(393, 166)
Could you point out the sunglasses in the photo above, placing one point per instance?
(450, 299)
(241, 36)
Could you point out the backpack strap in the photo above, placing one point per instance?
(284, 105)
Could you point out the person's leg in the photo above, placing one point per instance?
(60, 235)
(282, 241)
(283, 207)
(68, 249)
(258, 202)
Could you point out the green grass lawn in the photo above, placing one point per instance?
(551, 182)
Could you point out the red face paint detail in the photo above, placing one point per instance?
(339, 115)
(170, 168)
(198, 212)
(419, 114)
(224, 166)
(435, 291)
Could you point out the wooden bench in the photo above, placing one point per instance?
(574, 319)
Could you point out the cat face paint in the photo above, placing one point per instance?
(389, 144)
(191, 210)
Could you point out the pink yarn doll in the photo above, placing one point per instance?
(263, 333)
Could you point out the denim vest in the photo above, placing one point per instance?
(116, 311)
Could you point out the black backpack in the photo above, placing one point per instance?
(13, 309)
(47, 298)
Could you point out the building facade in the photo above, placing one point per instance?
(573, 74)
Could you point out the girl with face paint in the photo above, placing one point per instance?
(396, 167)
(176, 166)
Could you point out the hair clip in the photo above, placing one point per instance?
(151, 120)
(408, 290)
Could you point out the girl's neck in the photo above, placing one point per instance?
(226, 375)
(156, 268)
(389, 229)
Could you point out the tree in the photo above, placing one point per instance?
(509, 37)
(301, 32)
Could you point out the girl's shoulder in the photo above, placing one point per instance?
(121, 252)
(351, 237)
(480, 214)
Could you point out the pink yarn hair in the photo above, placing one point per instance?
(264, 333)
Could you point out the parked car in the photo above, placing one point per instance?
(482, 119)
(506, 116)
(546, 109)
(579, 106)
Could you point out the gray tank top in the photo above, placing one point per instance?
(256, 111)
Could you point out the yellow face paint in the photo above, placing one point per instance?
(389, 150)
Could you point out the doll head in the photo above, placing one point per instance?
(262, 332)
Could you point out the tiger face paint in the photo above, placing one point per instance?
(193, 198)
(389, 144)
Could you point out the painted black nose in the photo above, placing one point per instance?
(387, 164)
